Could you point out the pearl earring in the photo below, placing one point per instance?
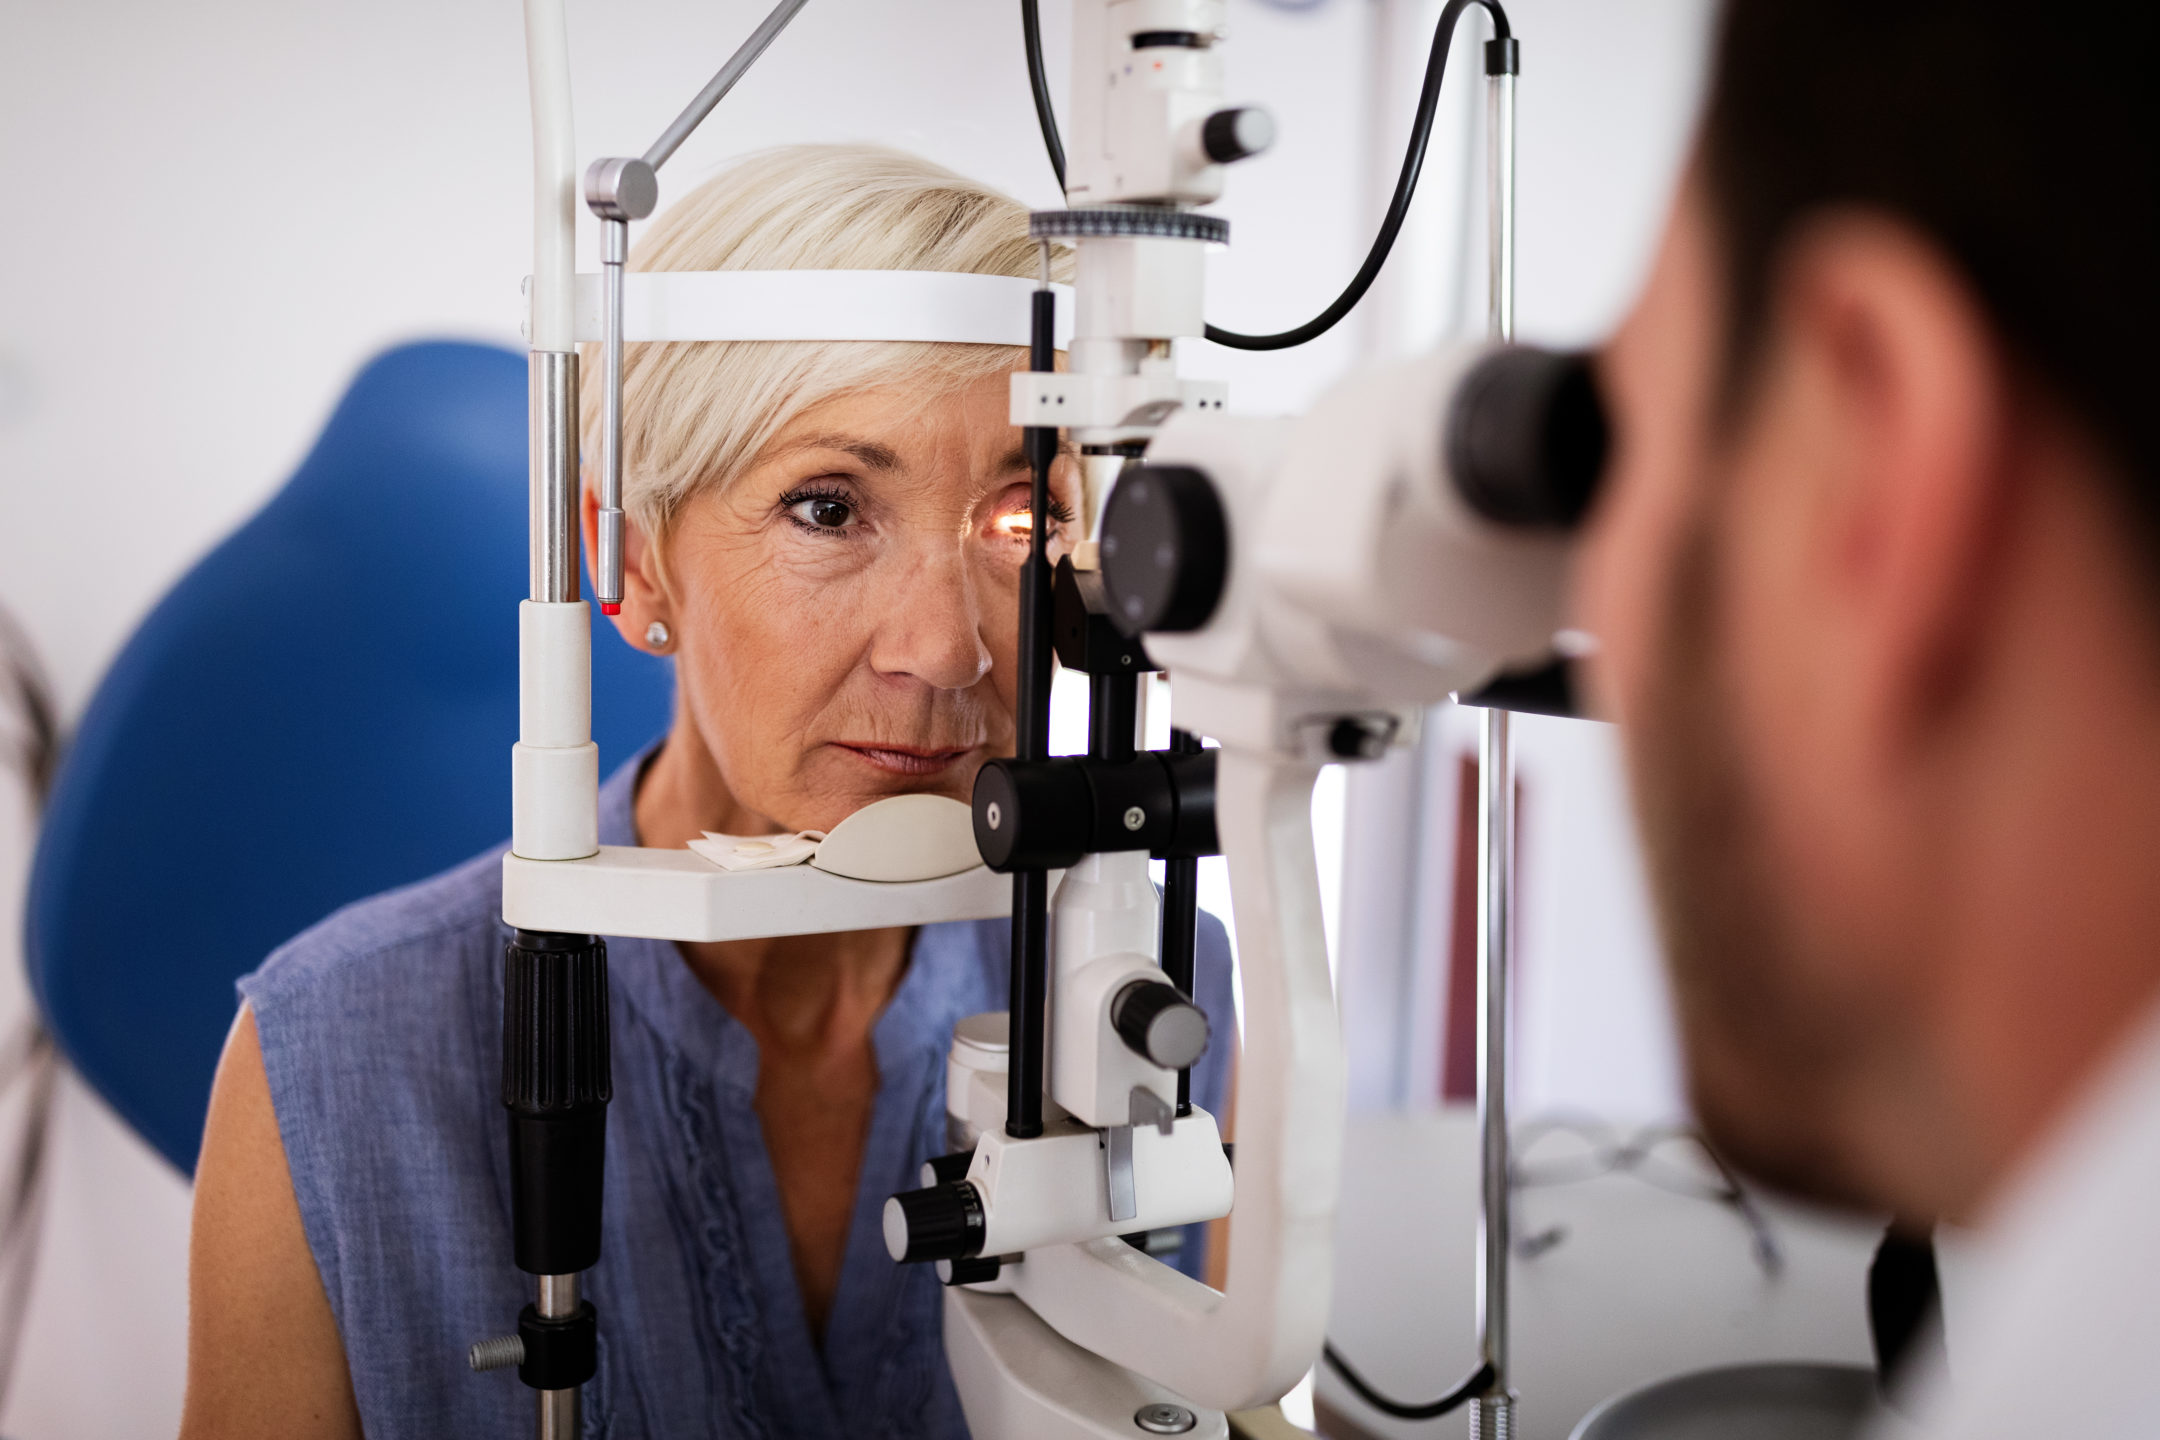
(656, 634)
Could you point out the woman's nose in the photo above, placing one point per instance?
(931, 628)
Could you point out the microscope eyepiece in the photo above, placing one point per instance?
(1526, 438)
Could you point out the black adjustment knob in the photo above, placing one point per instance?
(944, 1222)
(1033, 815)
(1526, 438)
(1165, 549)
(1237, 134)
(944, 1169)
(1160, 1025)
(556, 1085)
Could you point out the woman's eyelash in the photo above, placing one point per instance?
(833, 494)
(1060, 512)
(817, 492)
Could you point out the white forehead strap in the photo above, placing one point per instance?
(938, 306)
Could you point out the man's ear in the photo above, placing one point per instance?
(644, 598)
(1910, 391)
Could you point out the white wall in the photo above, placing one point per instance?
(222, 208)
(1605, 102)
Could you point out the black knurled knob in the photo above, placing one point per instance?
(555, 1023)
(944, 1222)
(556, 1086)
(1159, 1024)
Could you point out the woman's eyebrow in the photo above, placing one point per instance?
(1017, 459)
(870, 452)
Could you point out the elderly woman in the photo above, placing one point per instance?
(827, 539)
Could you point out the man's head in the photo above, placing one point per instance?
(1877, 574)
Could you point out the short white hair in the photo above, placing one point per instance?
(696, 414)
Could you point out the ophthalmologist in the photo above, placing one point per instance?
(1877, 577)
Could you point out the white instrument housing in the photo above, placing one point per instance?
(1377, 588)
(1136, 114)
(1105, 929)
(1050, 1190)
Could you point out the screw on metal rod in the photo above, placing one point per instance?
(1492, 1417)
(500, 1353)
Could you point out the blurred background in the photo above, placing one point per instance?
(224, 209)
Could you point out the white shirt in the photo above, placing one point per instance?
(2061, 1335)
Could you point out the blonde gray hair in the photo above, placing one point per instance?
(696, 414)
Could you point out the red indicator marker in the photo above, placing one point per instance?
(607, 609)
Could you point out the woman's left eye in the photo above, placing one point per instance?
(1020, 525)
(823, 512)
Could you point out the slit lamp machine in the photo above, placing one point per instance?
(1308, 585)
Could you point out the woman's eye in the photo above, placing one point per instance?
(1020, 525)
(823, 512)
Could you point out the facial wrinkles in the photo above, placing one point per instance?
(778, 659)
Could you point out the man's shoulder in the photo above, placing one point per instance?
(407, 935)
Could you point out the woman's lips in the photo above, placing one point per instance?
(907, 759)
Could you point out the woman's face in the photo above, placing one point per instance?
(844, 615)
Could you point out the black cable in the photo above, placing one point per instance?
(1470, 1389)
(1031, 29)
(1398, 207)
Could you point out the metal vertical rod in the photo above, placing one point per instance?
(1492, 1414)
(552, 576)
(608, 563)
(1028, 998)
(1496, 837)
(1500, 204)
(1180, 918)
(559, 1409)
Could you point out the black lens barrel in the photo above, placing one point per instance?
(1526, 438)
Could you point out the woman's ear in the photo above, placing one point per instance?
(644, 622)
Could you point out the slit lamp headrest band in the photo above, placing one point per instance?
(935, 306)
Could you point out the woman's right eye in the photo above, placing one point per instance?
(823, 512)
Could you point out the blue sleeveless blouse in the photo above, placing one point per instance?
(381, 1036)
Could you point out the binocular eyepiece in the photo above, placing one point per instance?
(1522, 446)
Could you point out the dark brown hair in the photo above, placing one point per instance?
(2019, 138)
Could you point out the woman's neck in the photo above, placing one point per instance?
(800, 994)
(681, 795)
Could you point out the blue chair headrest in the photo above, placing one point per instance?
(321, 709)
